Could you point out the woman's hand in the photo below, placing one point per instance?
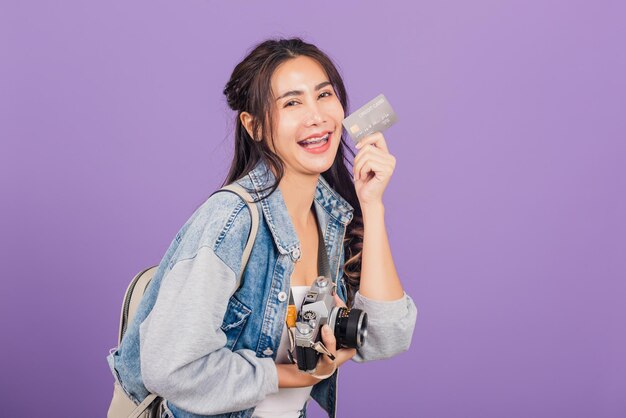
(325, 365)
(372, 169)
(290, 376)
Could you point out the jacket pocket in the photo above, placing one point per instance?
(234, 321)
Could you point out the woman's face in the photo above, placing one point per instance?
(305, 106)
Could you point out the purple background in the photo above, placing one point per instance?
(505, 211)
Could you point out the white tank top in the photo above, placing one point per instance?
(287, 402)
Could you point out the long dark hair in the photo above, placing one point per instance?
(249, 89)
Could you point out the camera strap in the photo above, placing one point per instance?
(323, 265)
(291, 327)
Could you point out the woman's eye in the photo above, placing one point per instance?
(294, 102)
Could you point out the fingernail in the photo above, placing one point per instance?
(326, 328)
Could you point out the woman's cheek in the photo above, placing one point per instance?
(340, 115)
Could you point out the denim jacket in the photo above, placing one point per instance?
(211, 354)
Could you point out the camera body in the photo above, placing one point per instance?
(318, 308)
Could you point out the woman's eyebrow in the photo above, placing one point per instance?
(299, 92)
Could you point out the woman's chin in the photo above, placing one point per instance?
(319, 169)
(318, 165)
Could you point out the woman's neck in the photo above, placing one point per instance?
(298, 191)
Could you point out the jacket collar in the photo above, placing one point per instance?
(327, 202)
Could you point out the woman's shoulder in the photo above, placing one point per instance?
(219, 214)
(222, 217)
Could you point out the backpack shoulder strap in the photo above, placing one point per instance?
(254, 215)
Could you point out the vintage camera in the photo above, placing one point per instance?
(318, 308)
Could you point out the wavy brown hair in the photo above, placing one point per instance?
(249, 90)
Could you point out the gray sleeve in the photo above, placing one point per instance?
(182, 346)
(390, 327)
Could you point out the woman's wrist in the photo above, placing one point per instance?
(373, 209)
(326, 375)
(289, 376)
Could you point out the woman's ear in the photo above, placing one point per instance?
(246, 120)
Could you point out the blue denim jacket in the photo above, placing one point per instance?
(213, 356)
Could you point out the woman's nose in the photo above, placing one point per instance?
(314, 115)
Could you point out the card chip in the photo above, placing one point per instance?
(354, 129)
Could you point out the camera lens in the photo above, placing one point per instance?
(350, 327)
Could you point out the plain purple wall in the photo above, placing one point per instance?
(506, 212)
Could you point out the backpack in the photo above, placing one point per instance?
(153, 406)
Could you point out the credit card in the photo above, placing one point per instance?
(376, 116)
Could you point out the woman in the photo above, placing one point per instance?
(210, 354)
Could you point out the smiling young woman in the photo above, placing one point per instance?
(209, 352)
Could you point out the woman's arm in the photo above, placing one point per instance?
(289, 376)
(373, 168)
(183, 350)
(182, 347)
(391, 312)
(379, 279)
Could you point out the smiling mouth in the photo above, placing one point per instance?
(315, 142)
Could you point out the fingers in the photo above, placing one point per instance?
(344, 354)
(380, 165)
(329, 339)
(338, 301)
(371, 151)
(377, 139)
(375, 158)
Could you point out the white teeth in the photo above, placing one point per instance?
(314, 141)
